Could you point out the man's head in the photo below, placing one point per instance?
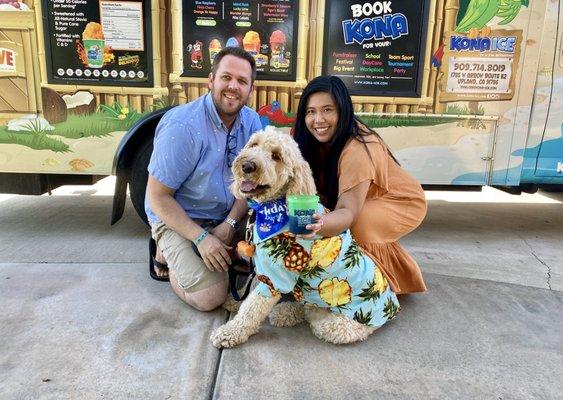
(231, 81)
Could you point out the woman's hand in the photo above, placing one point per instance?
(315, 227)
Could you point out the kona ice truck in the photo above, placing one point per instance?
(466, 93)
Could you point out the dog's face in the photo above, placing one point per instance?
(269, 167)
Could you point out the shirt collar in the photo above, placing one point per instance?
(217, 122)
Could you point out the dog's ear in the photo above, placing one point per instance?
(302, 181)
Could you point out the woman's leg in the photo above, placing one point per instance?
(388, 221)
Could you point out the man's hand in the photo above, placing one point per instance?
(224, 232)
(215, 253)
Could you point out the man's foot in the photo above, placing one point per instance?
(157, 263)
(160, 266)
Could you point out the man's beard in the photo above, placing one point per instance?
(226, 112)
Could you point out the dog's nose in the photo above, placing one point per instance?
(248, 167)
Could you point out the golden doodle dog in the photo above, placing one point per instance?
(338, 289)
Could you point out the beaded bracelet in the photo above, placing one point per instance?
(200, 238)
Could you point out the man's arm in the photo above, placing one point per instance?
(161, 199)
(239, 210)
(225, 231)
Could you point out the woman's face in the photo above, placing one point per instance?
(321, 116)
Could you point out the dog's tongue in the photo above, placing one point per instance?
(247, 186)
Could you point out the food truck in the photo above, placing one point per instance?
(466, 93)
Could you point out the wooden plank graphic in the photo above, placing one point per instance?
(13, 92)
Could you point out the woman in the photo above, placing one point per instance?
(358, 178)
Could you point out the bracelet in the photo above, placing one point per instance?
(200, 238)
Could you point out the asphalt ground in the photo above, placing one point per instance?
(81, 319)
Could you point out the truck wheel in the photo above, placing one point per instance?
(139, 177)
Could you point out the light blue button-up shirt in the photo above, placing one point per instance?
(190, 155)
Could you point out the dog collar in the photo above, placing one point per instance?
(271, 217)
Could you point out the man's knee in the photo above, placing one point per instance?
(209, 299)
(203, 300)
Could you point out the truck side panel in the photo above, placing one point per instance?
(452, 134)
(549, 166)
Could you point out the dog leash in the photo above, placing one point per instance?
(248, 265)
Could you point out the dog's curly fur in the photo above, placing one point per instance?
(271, 166)
(280, 170)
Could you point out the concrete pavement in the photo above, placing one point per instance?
(81, 319)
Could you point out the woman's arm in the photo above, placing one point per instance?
(346, 212)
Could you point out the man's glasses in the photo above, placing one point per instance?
(231, 149)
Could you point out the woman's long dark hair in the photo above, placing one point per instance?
(346, 129)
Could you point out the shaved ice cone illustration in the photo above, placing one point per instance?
(277, 47)
(214, 48)
(251, 42)
(94, 44)
(232, 42)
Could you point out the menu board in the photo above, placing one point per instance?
(266, 29)
(376, 48)
(98, 42)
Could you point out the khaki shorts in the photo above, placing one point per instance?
(187, 267)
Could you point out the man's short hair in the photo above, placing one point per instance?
(237, 52)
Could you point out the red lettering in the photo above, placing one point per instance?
(7, 57)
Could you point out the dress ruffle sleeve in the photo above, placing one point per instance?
(360, 162)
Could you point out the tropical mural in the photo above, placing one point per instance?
(73, 133)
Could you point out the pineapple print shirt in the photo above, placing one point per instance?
(330, 272)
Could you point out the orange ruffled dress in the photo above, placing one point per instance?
(395, 205)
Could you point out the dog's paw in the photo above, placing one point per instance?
(336, 328)
(228, 336)
(287, 314)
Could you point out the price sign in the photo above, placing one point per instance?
(265, 29)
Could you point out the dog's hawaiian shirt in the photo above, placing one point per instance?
(331, 272)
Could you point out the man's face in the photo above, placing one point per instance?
(231, 85)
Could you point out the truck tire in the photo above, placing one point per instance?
(139, 177)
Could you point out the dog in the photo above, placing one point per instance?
(339, 290)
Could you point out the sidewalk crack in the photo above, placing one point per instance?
(540, 261)
(217, 366)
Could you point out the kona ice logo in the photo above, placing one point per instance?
(497, 43)
(386, 24)
(94, 52)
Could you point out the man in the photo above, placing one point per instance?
(193, 215)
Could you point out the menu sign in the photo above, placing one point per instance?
(266, 29)
(98, 42)
(376, 48)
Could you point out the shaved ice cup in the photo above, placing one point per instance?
(94, 49)
(300, 211)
